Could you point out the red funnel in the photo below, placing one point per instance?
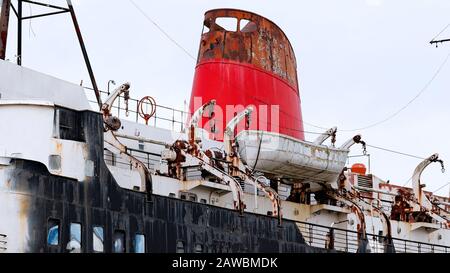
(245, 59)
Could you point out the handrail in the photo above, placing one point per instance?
(347, 240)
(176, 117)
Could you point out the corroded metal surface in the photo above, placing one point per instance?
(246, 60)
(256, 40)
(99, 201)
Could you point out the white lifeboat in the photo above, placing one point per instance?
(286, 157)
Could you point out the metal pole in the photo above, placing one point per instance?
(256, 198)
(173, 119)
(118, 107)
(4, 23)
(19, 32)
(85, 55)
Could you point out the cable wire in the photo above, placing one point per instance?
(30, 26)
(441, 187)
(395, 152)
(440, 32)
(407, 182)
(402, 108)
(161, 29)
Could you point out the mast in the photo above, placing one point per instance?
(85, 55)
(4, 23)
(19, 32)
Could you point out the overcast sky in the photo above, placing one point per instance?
(359, 62)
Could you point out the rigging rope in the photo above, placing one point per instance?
(440, 32)
(161, 29)
(395, 152)
(402, 108)
(441, 187)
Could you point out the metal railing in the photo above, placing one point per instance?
(151, 160)
(164, 117)
(315, 235)
(322, 237)
(407, 246)
(348, 241)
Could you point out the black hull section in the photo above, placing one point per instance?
(164, 221)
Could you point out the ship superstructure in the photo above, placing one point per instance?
(233, 174)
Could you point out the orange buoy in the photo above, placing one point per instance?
(359, 169)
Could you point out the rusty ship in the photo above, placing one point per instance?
(232, 174)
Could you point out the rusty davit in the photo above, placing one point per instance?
(232, 174)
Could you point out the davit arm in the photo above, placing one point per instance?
(112, 124)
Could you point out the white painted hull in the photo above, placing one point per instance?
(287, 157)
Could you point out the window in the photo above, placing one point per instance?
(183, 196)
(203, 201)
(380, 236)
(54, 162)
(53, 232)
(97, 239)
(141, 145)
(180, 247)
(198, 248)
(188, 196)
(227, 23)
(192, 198)
(67, 125)
(139, 243)
(74, 245)
(119, 241)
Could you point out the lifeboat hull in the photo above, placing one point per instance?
(286, 157)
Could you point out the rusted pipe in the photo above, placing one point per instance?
(4, 23)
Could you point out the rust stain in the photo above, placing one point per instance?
(255, 40)
(24, 207)
(59, 148)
